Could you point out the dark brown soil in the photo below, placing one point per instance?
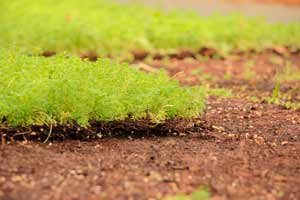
(126, 128)
(140, 55)
(244, 150)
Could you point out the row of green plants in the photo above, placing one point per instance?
(61, 90)
(115, 29)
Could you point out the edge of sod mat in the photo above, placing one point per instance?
(97, 130)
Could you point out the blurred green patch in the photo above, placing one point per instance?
(113, 29)
(201, 193)
(220, 92)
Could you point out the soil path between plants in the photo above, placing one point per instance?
(272, 12)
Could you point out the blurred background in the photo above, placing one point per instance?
(272, 10)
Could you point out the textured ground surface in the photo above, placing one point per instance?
(247, 150)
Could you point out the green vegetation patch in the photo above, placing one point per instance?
(201, 193)
(290, 74)
(60, 90)
(284, 99)
(220, 93)
(115, 29)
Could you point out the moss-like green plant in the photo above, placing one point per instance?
(60, 90)
(109, 28)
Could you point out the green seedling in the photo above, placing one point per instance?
(250, 63)
(227, 76)
(290, 74)
(59, 90)
(283, 99)
(275, 98)
(254, 99)
(292, 105)
(220, 92)
(166, 60)
(201, 193)
(205, 78)
(276, 60)
(197, 72)
(249, 73)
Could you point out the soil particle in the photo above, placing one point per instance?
(91, 56)
(208, 52)
(48, 53)
(140, 54)
(183, 54)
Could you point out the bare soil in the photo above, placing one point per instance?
(243, 150)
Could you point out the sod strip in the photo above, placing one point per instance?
(70, 92)
(104, 28)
